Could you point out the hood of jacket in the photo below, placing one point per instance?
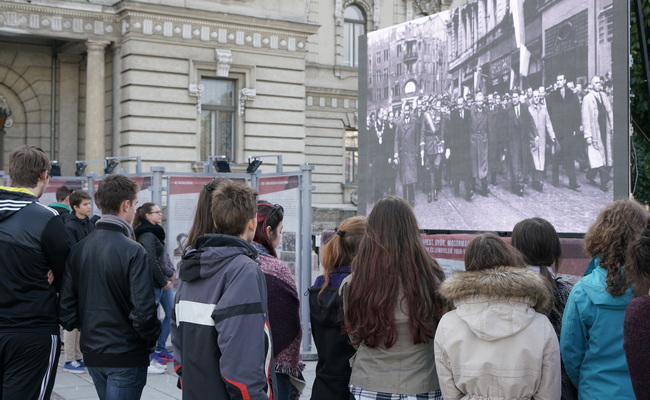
(211, 253)
(13, 200)
(595, 285)
(497, 302)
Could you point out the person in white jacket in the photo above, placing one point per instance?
(496, 343)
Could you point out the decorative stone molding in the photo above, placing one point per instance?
(214, 32)
(90, 21)
(57, 21)
(427, 7)
(224, 59)
(245, 94)
(372, 13)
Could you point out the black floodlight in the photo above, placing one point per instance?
(55, 169)
(253, 165)
(111, 163)
(80, 168)
(222, 166)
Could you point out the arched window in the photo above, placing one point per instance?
(354, 25)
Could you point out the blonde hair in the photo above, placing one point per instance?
(340, 250)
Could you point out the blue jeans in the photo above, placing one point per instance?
(119, 383)
(283, 383)
(166, 300)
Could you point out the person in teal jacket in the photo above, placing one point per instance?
(591, 341)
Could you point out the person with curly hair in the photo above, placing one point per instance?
(392, 308)
(636, 325)
(591, 341)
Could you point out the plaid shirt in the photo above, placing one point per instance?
(362, 394)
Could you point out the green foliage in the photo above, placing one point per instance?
(639, 109)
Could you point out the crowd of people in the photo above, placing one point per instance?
(524, 136)
(386, 321)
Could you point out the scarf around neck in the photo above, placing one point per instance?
(146, 226)
(115, 220)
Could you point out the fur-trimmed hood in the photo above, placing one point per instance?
(497, 302)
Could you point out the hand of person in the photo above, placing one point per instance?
(589, 141)
(168, 285)
(50, 276)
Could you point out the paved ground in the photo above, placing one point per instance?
(568, 210)
(69, 386)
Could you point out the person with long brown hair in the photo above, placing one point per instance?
(496, 342)
(203, 221)
(636, 325)
(326, 312)
(392, 307)
(539, 245)
(591, 340)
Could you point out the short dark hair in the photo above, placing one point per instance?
(537, 241)
(112, 191)
(26, 164)
(77, 197)
(62, 192)
(233, 204)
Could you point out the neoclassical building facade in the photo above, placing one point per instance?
(177, 82)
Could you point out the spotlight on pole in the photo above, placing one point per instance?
(222, 166)
(111, 163)
(253, 165)
(55, 169)
(80, 168)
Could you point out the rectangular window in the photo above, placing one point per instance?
(385, 55)
(606, 26)
(378, 57)
(218, 119)
(399, 69)
(351, 156)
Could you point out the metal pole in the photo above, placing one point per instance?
(303, 246)
(53, 105)
(91, 190)
(156, 185)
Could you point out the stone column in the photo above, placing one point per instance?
(68, 112)
(95, 136)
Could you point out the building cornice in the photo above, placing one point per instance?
(58, 22)
(186, 24)
(142, 20)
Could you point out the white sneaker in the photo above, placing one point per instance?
(155, 368)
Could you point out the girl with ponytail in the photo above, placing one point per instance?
(326, 312)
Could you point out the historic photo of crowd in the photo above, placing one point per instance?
(497, 107)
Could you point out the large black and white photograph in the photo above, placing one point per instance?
(496, 111)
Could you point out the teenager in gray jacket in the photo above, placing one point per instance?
(220, 328)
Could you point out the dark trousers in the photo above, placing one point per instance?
(433, 165)
(408, 192)
(119, 383)
(565, 157)
(28, 367)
